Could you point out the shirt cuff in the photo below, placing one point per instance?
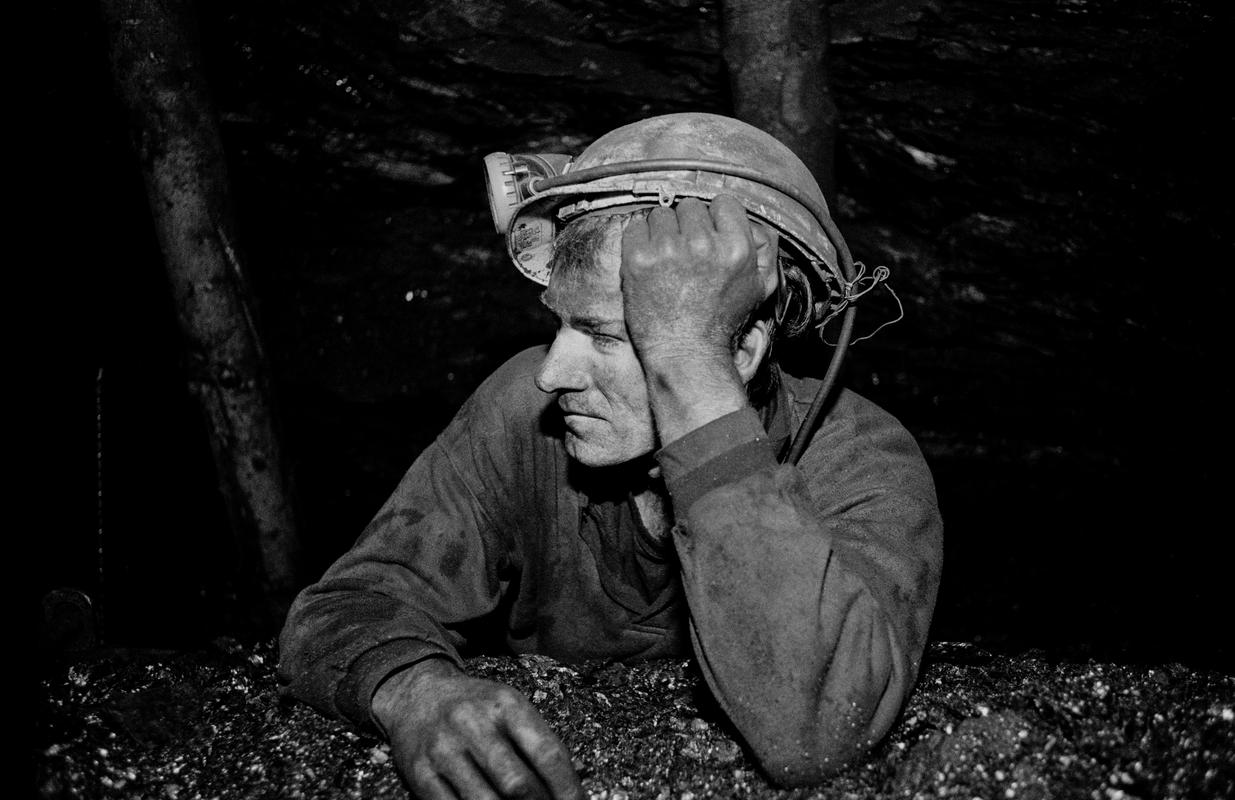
(721, 452)
(354, 695)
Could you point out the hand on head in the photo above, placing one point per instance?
(691, 275)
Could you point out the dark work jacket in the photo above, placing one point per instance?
(805, 592)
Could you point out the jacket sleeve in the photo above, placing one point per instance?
(810, 587)
(434, 558)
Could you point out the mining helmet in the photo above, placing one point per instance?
(658, 161)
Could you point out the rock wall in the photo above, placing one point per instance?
(1047, 180)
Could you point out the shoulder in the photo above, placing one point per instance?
(849, 413)
(860, 441)
(516, 379)
(507, 403)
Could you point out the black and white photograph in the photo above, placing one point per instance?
(654, 399)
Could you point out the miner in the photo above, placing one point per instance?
(651, 484)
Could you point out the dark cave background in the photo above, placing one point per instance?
(1047, 180)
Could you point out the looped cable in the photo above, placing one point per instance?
(851, 291)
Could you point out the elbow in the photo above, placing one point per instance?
(798, 774)
(798, 763)
(830, 734)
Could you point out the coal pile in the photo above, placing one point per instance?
(183, 725)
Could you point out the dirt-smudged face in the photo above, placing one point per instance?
(592, 366)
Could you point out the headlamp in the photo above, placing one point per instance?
(508, 178)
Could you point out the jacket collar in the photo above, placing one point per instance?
(776, 414)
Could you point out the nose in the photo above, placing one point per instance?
(564, 368)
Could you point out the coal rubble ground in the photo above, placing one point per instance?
(210, 724)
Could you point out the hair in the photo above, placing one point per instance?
(577, 246)
(787, 312)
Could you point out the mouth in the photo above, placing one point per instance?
(577, 421)
(570, 411)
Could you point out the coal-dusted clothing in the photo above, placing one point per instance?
(805, 592)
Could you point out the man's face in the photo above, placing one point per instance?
(592, 366)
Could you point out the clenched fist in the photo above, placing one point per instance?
(691, 275)
(453, 736)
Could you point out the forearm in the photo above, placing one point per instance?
(433, 560)
(387, 602)
(796, 640)
(340, 641)
(808, 619)
(688, 390)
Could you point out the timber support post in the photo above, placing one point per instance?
(157, 69)
(776, 53)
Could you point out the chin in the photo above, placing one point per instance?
(603, 455)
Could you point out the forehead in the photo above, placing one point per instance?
(589, 286)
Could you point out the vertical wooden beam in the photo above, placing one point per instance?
(776, 53)
(156, 64)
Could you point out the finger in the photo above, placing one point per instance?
(546, 753)
(662, 221)
(509, 774)
(635, 242)
(636, 232)
(465, 777)
(427, 785)
(730, 217)
(693, 216)
(767, 247)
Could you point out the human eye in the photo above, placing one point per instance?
(604, 341)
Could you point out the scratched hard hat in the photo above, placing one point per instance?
(791, 209)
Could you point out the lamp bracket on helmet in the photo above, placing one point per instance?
(519, 181)
(509, 178)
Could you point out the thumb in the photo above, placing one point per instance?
(767, 256)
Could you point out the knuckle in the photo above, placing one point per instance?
(542, 746)
(506, 701)
(439, 750)
(668, 249)
(700, 246)
(735, 253)
(546, 752)
(640, 258)
(460, 714)
(516, 784)
(506, 694)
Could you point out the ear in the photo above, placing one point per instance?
(752, 350)
(767, 249)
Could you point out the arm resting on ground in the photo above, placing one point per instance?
(810, 588)
(438, 556)
(421, 568)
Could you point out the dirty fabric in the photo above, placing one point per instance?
(805, 593)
